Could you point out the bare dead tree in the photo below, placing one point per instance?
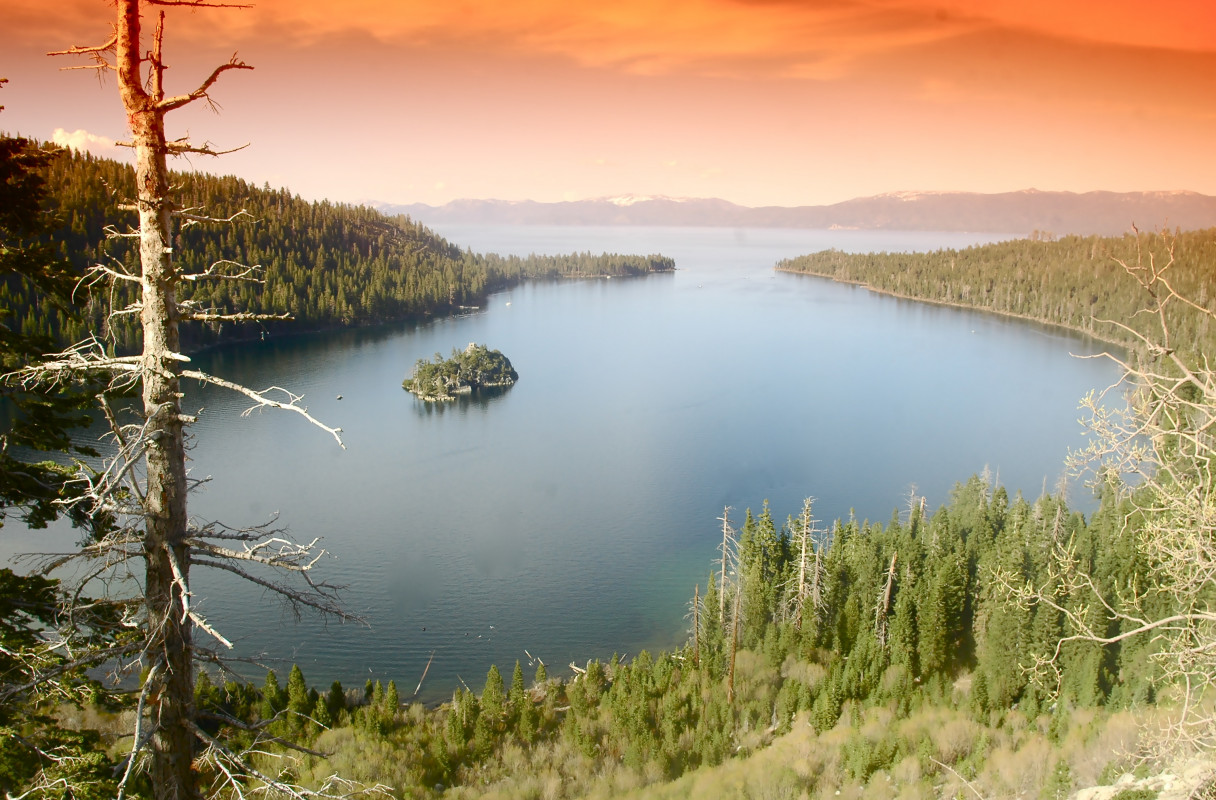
(883, 607)
(805, 586)
(696, 625)
(1158, 451)
(734, 648)
(142, 487)
(728, 561)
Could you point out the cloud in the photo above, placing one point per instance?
(82, 141)
(716, 38)
(1187, 25)
(821, 40)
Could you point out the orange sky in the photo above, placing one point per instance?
(762, 102)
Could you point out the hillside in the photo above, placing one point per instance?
(1075, 282)
(1106, 213)
(328, 265)
(862, 659)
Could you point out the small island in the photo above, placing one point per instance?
(476, 367)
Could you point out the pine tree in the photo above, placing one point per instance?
(335, 701)
(392, 702)
(517, 696)
(298, 705)
(273, 700)
(493, 704)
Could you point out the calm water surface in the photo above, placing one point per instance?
(573, 514)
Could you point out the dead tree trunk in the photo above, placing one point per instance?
(696, 625)
(727, 548)
(166, 562)
(884, 604)
(155, 526)
(734, 648)
(168, 649)
(806, 538)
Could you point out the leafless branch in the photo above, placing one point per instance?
(139, 740)
(322, 601)
(243, 316)
(236, 767)
(180, 147)
(171, 103)
(192, 218)
(195, 4)
(248, 274)
(76, 50)
(1163, 436)
(261, 400)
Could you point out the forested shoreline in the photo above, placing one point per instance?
(823, 629)
(327, 265)
(1075, 282)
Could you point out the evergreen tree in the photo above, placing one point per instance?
(493, 704)
(273, 699)
(34, 280)
(392, 702)
(335, 701)
(298, 704)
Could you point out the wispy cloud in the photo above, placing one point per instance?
(82, 141)
(818, 40)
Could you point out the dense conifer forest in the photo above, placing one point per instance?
(822, 630)
(1074, 281)
(327, 265)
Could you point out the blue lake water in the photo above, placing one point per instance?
(572, 515)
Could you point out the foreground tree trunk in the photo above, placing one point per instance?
(150, 508)
(166, 561)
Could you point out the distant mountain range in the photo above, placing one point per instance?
(1021, 212)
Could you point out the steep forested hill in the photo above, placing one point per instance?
(329, 265)
(1075, 281)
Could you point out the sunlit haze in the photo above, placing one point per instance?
(760, 102)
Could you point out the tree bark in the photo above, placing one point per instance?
(168, 640)
(696, 625)
(725, 552)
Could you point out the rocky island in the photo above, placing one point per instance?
(476, 367)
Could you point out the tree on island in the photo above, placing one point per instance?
(475, 367)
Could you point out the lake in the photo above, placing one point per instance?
(572, 515)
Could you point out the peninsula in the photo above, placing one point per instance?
(476, 367)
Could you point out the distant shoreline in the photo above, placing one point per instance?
(955, 304)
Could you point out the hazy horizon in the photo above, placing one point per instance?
(760, 104)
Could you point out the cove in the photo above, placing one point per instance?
(572, 515)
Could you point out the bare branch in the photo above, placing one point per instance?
(262, 401)
(243, 316)
(195, 4)
(1158, 452)
(247, 274)
(171, 103)
(85, 358)
(202, 623)
(322, 602)
(193, 218)
(76, 50)
(138, 740)
(182, 147)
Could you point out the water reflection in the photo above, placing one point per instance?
(477, 399)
